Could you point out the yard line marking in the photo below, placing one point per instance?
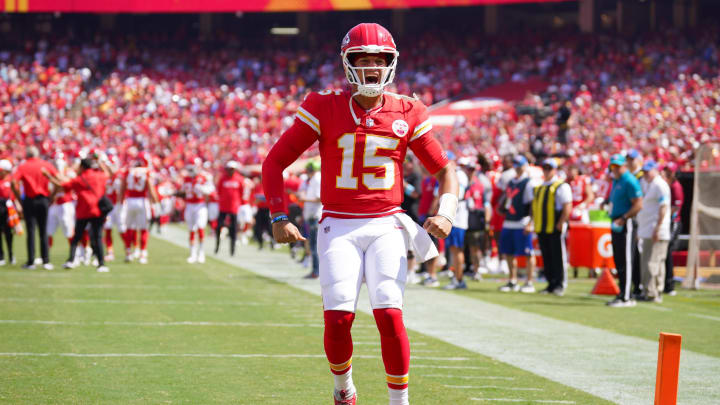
(502, 333)
(492, 386)
(537, 401)
(447, 367)
(177, 323)
(143, 302)
(656, 308)
(469, 377)
(208, 355)
(712, 318)
(126, 286)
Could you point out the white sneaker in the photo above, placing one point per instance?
(3, 262)
(48, 266)
(136, 254)
(527, 288)
(201, 257)
(103, 269)
(109, 257)
(192, 259)
(69, 265)
(88, 256)
(95, 262)
(143, 257)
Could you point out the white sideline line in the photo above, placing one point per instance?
(712, 318)
(537, 401)
(213, 355)
(468, 377)
(502, 333)
(479, 387)
(178, 323)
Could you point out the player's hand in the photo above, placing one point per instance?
(438, 226)
(286, 232)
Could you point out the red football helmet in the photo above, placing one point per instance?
(374, 39)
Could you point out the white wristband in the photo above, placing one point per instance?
(448, 206)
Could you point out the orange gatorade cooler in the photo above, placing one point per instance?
(590, 245)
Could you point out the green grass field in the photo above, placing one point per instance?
(169, 332)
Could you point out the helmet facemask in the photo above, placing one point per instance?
(355, 75)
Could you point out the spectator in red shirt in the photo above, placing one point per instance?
(5, 197)
(89, 186)
(230, 192)
(35, 204)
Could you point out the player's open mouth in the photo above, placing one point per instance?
(373, 79)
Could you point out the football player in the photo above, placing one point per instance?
(195, 188)
(137, 192)
(364, 135)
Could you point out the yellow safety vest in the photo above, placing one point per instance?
(543, 207)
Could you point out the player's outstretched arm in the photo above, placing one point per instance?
(441, 223)
(288, 148)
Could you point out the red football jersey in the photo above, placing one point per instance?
(195, 188)
(230, 192)
(137, 180)
(112, 188)
(362, 163)
(579, 187)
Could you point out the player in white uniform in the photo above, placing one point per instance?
(62, 211)
(196, 187)
(137, 193)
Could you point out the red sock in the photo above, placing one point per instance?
(338, 340)
(144, 235)
(70, 241)
(50, 241)
(395, 346)
(214, 224)
(85, 239)
(126, 239)
(192, 237)
(133, 237)
(108, 239)
(201, 235)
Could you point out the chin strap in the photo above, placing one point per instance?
(352, 110)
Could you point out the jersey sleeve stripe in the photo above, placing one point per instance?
(421, 130)
(309, 119)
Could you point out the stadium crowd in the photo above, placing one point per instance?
(191, 111)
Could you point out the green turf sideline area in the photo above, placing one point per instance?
(608, 364)
(169, 332)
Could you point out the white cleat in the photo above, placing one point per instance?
(69, 265)
(38, 261)
(192, 259)
(201, 257)
(109, 257)
(48, 266)
(143, 257)
(103, 269)
(3, 262)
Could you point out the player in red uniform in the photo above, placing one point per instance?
(582, 193)
(137, 193)
(195, 188)
(363, 138)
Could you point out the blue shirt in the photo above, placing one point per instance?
(623, 191)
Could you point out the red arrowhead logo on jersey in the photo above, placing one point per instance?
(400, 127)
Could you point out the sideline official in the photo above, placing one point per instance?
(625, 203)
(551, 209)
(35, 203)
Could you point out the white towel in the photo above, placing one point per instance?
(420, 242)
